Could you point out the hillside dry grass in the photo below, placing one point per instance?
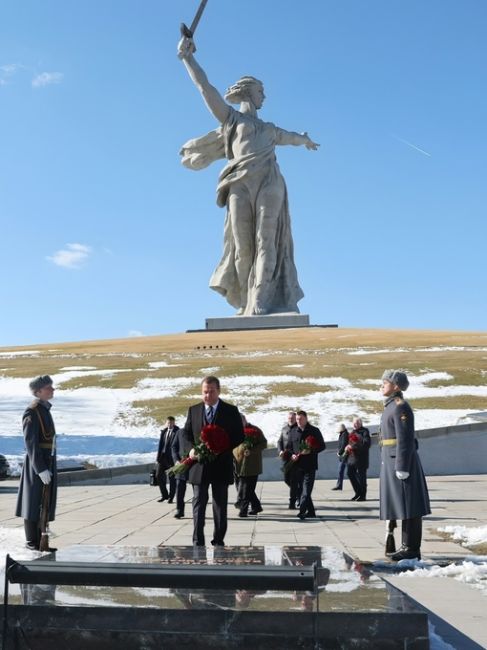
(310, 352)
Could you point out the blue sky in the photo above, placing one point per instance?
(105, 234)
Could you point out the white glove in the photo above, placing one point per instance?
(45, 476)
(402, 475)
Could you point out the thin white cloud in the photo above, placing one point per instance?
(135, 333)
(410, 144)
(8, 70)
(71, 257)
(47, 79)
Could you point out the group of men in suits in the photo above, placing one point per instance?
(403, 490)
(303, 460)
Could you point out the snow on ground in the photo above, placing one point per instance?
(472, 572)
(21, 353)
(467, 536)
(101, 412)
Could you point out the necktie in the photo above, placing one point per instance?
(168, 437)
(209, 415)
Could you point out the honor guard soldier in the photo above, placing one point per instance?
(403, 489)
(39, 468)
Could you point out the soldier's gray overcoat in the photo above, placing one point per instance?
(38, 443)
(401, 499)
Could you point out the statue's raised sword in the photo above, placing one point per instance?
(189, 31)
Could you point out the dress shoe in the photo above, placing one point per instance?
(311, 515)
(355, 498)
(237, 504)
(361, 499)
(405, 553)
(32, 546)
(178, 515)
(301, 515)
(242, 513)
(170, 500)
(291, 506)
(337, 487)
(161, 499)
(255, 512)
(217, 543)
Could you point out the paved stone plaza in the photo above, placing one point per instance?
(130, 515)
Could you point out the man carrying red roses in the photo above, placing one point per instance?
(305, 443)
(248, 465)
(215, 468)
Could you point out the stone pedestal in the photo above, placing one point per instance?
(270, 321)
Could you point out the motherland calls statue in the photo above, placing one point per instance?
(256, 274)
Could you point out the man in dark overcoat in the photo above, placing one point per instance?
(219, 472)
(180, 449)
(282, 448)
(39, 468)
(358, 459)
(403, 489)
(165, 460)
(306, 462)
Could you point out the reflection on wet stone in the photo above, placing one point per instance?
(343, 584)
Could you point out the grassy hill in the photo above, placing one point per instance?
(261, 370)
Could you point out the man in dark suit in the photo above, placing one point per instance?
(282, 448)
(219, 472)
(165, 460)
(306, 462)
(358, 459)
(179, 449)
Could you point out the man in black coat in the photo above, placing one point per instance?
(165, 460)
(358, 459)
(180, 449)
(282, 448)
(306, 461)
(39, 471)
(219, 472)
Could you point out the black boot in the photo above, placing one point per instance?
(405, 553)
(338, 486)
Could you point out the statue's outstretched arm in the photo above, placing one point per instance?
(215, 102)
(296, 139)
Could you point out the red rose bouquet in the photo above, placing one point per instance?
(214, 441)
(252, 436)
(354, 446)
(306, 446)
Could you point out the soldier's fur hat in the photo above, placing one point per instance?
(39, 382)
(397, 377)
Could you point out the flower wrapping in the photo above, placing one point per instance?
(214, 441)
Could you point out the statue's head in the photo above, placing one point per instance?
(246, 89)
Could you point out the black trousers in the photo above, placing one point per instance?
(306, 505)
(246, 493)
(412, 530)
(296, 485)
(163, 478)
(180, 493)
(341, 473)
(358, 479)
(32, 532)
(219, 497)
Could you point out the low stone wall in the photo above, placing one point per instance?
(105, 628)
(460, 449)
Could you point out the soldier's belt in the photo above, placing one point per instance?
(45, 445)
(390, 442)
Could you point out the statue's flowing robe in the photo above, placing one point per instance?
(248, 143)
